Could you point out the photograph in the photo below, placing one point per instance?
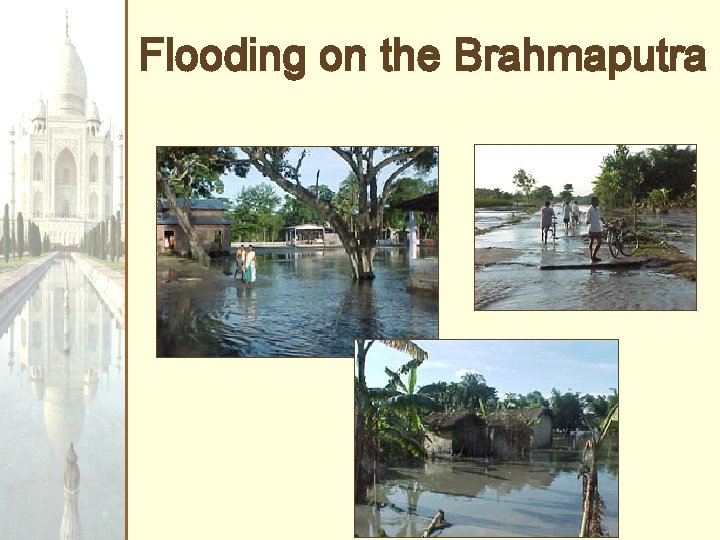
(486, 438)
(294, 251)
(62, 273)
(585, 227)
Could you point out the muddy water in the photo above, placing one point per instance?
(537, 497)
(63, 382)
(519, 284)
(302, 304)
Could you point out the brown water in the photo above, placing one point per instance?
(541, 496)
(63, 382)
(304, 303)
(519, 284)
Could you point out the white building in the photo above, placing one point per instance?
(63, 163)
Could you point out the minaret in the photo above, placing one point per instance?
(121, 182)
(12, 175)
(70, 528)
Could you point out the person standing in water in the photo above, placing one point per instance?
(250, 265)
(240, 260)
(546, 218)
(595, 228)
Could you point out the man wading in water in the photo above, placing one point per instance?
(546, 219)
(240, 260)
(595, 228)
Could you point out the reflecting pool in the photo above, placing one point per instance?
(63, 383)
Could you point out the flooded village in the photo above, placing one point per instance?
(327, 264)
(651, 191)
(466, 459)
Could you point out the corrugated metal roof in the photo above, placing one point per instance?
(195, 204)
(171, 219)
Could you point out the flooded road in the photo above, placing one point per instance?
(63, 382)
(538, 497)
(516, 283)
(304, 303)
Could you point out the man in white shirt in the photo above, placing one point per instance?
(575, 209)
(595, 228)
(250, 265)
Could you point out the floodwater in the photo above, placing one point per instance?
(303, 304)
(63, 382)
(518, 284)
(541, 496)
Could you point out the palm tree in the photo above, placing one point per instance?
(592, 503)
(369, 422)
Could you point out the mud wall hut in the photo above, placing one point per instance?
(456, 434)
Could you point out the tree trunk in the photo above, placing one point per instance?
(183, 214)
(361, 261)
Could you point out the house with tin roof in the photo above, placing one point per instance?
(210, 220)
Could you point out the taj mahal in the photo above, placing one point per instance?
(65, 165)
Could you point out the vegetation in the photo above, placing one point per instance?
(524, 182)
(183, 172)
(103, 241)
(377, 171)
(20, 235)
(381, 415)
(654, 178)
(356, 212)
(493, 197)
(388, 420)
(6, 234)
(591, 525)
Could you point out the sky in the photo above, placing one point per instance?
(511, 366)
(550, 165)
(333, 170)
(30, 37)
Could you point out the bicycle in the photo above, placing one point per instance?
(620, 240)
(553, 229)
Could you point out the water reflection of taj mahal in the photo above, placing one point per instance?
(65, 349)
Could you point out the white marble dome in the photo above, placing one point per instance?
(40, 112)
(70, 92)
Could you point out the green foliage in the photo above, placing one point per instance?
(542, 194)
(626, 178)
(524, 182)
(255, 215)
(485, 197)
(295, 212)
(113, 235)
(406, 189)
(567, 410)
(6, 233)
(20, 235)
(567, 193)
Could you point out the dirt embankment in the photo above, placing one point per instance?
(493, 255)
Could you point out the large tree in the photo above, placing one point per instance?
(254, 214)
(377, 171)
(620, 177)
(188, 171)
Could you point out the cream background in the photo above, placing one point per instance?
(263, 447)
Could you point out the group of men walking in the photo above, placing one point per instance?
(245, 259)
(571, 211)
